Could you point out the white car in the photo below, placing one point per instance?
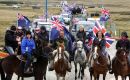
(15, 6)
(41, 22)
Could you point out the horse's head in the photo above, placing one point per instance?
(97, 52)
(79, 45)
(121, 54)
(61, 49)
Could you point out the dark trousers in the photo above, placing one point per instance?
(28, 57)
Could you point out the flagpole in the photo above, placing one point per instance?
(46, 9)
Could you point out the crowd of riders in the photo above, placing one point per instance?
(20, 41)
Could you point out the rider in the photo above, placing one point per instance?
(59, 40)
(81, 35)
(99, 40)
(43, 35)
(27, 48)
(11, 40)
(124, 43)
(19, 34)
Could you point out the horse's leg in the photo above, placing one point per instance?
(123, 78)
(2, 75)
(22, 78)
(82, 72)
(90, 73)
(9, 76)
(98, 77)
(104, 76)
(2, 72)
(79, 71)
(75, 70)
(63, 78)
(58, 77)
(116, 77)
(18, 78)
(95, 77)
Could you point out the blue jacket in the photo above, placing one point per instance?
(27, 45)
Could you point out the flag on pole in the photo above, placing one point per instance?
(23, 21)
(108, 38)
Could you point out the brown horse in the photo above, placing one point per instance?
(12, 64)
(100, 64)
(60, 66)
(120, 64)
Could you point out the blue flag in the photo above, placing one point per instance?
(23, 21)
(54, 34)
(70, 39)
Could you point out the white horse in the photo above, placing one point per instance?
(80, 58)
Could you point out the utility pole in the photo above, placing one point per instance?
(46, 9)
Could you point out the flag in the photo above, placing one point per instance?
(109, 41)
(104, 17)
(23, 21)
(56, 27)
(57, 24)
(70, 39)
(3, 55)
(97, 28)
(105, 11)
(54, 34)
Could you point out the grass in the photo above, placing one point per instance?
(119, 9)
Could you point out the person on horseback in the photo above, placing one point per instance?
(27, 48)
(61, 39)
(99, 40)
(81, 35)
(43, 35)
(11, 40)
(19, 34)
(124, 43)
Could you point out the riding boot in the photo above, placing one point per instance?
(51, 65)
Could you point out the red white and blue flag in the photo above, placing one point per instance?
(108, 38)
(98, 27)
(57, 25)
(23, 21)
(105, 11)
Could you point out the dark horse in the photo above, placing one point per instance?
(120, 64)
(100, 64)
(12, 64)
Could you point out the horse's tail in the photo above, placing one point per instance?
(2, 71)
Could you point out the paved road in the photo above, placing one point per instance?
(70, 76)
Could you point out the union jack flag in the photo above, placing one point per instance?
(105, 11)
(108, 38)
(57, 25)
(98, 27)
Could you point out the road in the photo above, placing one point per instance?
(70, 76)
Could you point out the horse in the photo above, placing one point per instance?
(60, 66)
(100, 64)
(120, 64)
(12, 64)
(80, 58)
